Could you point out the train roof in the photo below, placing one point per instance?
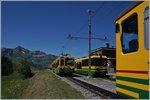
(63, 57)
(79, 60)
(129, 9)
(93, 56)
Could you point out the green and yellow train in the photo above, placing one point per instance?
(132, 45)
(98, 65)
(63, 65)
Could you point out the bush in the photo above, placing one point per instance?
(7, 66)
(25, 70)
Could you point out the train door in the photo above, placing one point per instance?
(62, 62)
(132, 69)
(78, 64)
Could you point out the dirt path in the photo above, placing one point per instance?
(44, 85)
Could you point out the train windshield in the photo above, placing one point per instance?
(129, 37)
(69, 62)
(62, 62)
(98, 62)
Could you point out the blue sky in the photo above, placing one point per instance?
(38, 25)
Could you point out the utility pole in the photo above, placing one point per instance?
(90, 12)
(62, 50)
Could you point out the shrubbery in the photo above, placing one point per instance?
(25, 70)
(7, 66)
(23, 67)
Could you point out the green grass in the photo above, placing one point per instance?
(12, 86)
(64, 91)
(45, 85)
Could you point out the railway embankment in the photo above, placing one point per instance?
(45, 85)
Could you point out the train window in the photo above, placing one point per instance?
(104, 62)
(69, 62)
(95, 62)
(57, 63)
(85, 62)
(146, 28)
(62, 62)
(98, 62)
(117, 30)
(79, 65)
(129, 38)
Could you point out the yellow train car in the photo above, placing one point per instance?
(132, 46)
(98, 65)
(78, 64)
(63, 65)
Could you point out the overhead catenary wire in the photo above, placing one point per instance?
(67, 42)
(99, 9)
(86, 24)
(110, 11)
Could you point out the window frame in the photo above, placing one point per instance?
(78, 65)
(62, 62)
(146, 36)
(69, 64)
(135, 14)
(85, 62)
(117, 28)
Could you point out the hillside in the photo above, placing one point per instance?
(37, 58)
(43, 85)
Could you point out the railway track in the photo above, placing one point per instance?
(87, 93)
(102, 93)
(86, 87)
(105, 94)
(104, 77)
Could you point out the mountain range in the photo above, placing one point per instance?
(37, 58)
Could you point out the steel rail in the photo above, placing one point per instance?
(97, 90)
